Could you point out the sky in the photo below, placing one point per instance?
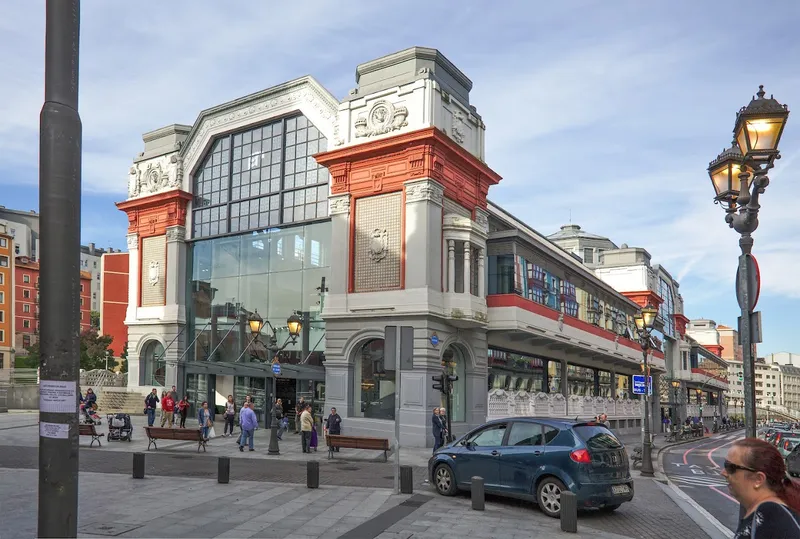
(604, 113)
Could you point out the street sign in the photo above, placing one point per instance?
(639, 384)
(434, 339)
(276, 368)
(753, 284)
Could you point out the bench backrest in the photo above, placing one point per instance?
(86, 428)
(173, 434)
(358, 442)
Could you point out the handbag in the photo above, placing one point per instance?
(211, 433)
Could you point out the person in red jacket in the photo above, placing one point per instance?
(167, 409)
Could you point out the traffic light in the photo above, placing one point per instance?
(439, 383)
(450, 379)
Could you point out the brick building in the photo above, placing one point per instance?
(114, 299)
(6, 298)
(26, 301)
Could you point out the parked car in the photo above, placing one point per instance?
(788, 442)
(537, 459)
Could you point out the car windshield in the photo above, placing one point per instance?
(597, 437)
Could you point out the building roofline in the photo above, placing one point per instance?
(558, 253)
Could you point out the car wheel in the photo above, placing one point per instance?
(444, 480)
(610, 508)
(548, 496)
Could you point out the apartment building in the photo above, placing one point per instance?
(6, 298)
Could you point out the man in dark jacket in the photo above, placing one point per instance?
(438, 430)
(333, 425)
(150, 403)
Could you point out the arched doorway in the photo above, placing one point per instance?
(373, 385)
(152, 364)
(453, 361)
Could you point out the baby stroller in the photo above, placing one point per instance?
(89, 415)
(120, 428)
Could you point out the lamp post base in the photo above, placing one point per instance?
(273, 441)
(647, 460)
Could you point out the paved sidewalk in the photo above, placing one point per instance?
(119, 506)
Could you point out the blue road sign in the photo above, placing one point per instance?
(276, 368)
(434, 339)
(639, 385)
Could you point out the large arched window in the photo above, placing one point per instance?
(374, 386)
(454, 364)
(152, 365)
(261, 178)
(667, 308)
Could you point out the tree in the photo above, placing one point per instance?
(30, 361)
(123, 364)
(95, 319)
(95, 353)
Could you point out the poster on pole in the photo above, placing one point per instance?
(58, 396)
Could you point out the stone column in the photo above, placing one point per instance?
(175, 300)
(133, 276)
(481, 274)
(564, 389)
(424, 200)
(340, 236)
(467, 269)
(451, 265)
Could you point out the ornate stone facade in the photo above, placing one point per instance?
(424, 190)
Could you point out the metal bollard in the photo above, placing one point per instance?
(312, 474)
(406, 480)
(224, 470)
(138, 465)
(569, 512)
(478, 494)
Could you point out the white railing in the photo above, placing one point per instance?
(520, 403)
(102, 378)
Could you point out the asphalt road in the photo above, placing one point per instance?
(695, 468)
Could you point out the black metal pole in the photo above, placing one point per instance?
(60, 226)
(745, 335)
(647, 454)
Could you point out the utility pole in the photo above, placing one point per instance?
(60, 206)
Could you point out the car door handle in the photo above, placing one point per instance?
(495, 453)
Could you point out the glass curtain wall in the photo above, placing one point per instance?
(513, 371)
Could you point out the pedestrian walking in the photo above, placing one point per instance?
(333, 425)
(183, 410)
(150, 404)
(306, 427)
(758, 479)
(204, 419)
(437, 429)
(249, 423)
(167, 409)
(230, 417)
(174, 394)
(299, 409)
(443, 419)
(277, 417)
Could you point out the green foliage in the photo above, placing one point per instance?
(31, 361)
(123, 365)
(95, 353)
(95, 319)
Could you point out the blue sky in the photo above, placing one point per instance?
(606, 110)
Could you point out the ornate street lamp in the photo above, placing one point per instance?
(644, 321)
(256, 323)
(757, 133)
(295, 326)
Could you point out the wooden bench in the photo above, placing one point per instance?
(186, 435)
(86, 429)
(357, 442)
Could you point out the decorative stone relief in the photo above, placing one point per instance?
(482, 220)
(176, 233)
(458, 130)
(424, 190)
(383, 117)
(133, 241)
(339, 204)
(378, 245)
(154, 176)
(310, 94)
(153, 273)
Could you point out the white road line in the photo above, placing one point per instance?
(688, 499)
(698, 481)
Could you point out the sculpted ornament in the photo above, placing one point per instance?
(155, 178)
(133, 241)
(382, 118)
(340, 204)
(423, 191)
(176, 233)
(177, 179)
(458, 130)
(153, 273)
(134, 182)
(378, 244)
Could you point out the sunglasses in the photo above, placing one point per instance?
(731, 467)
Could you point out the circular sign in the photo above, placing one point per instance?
(276, 368)
(753, 284)
(434, 339)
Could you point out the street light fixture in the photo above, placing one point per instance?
(644, 321)
(757, 133)
(256, 323)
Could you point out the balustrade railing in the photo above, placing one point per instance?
(520, 403)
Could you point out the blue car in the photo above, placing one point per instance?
(537, 459)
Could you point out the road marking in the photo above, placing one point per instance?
(716, 448)
(731, 498)
(699, 508)
(698, 481)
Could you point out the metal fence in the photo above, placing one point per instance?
(18, 377)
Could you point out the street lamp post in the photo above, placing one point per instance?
(295, 326)
(644, 326)
(676, 384)
(756, 135)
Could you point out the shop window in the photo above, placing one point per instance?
(374, 385)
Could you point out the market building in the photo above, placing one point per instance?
(355, 215)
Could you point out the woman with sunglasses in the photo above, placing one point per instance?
(757, 478)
